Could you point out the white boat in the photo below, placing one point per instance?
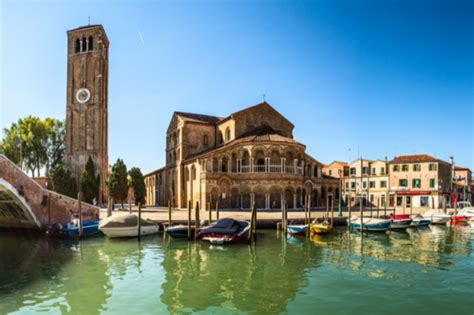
(419, 221)
(126, 225)
(437, 216)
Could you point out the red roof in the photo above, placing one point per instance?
(415, 159)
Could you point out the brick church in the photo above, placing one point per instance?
(248, 156)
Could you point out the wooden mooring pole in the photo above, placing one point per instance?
(217, 210)
(139, 220)
(169, 213)
(378, 207)
(189, 218)
(196, 220)
(361, 216)
(79, 204)
(209, 208)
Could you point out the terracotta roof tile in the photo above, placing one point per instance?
(200, 117)
(415, 158)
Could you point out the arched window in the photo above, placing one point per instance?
(90, 43)
(84, 44)
(205, 140)
(221, 139)
(227, 134)
(78, 45)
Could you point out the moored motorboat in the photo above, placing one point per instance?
(126, 225)
(179, 231)
(400, 221)
(72, 229)
(297, 229)
(419, 221)
(225, 231)
(320, 226)
(370, 224)
(436, 216)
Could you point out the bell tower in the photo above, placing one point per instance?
(86, 103)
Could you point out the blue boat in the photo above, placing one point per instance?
(179, 231)
(297, 229)
(71, 229)
(370, 224)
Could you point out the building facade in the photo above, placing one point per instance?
(249, 156)
(463, 184)
(336, 169)
(87, 102)
(419, 180)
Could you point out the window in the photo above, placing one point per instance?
(383, 184)
(330, 172)
(424, 201)
(403, 183)
(84, 44)
(416, 167)
(404, 168)
(364, 184)
(396, 168)
(347, 185)
(221, 139)
(365, 169)
(78, 45)
(353, 171)
(383, 201)
(90, 43)
(205, 140)
(353, 185)
(432, 183)
(433, 167)
(227, 134)
(416, 183)
(399, 201)
(373, 171)
(371, 198)
(408, 201)
(382, 170)
(372, 184)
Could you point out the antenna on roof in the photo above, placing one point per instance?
(88, 21)
(263, 96)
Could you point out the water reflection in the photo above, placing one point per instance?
(258, 278)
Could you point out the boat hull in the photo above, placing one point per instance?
(400, 224)
(297, 229)
(320, 228)
(230, 232)
(69, 230)
(371, 225)
(179, 231)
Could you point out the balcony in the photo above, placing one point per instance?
(275, 169)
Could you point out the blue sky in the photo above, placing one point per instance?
(381, 78)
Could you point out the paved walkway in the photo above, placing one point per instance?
(161, 214)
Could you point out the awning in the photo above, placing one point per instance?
(413, 192)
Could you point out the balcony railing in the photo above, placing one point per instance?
(288, 169)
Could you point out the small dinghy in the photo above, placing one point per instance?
(225, 231)
(436, 216)
(126, 225)
(370, 224)
(400, 222)
(71, 229)
(179, 231)
(297, 229)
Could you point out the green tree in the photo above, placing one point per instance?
(89, 183)
(55, 143)
(137, 182)
(11, 144)
(34, 136)
(118, 182)
(63, 182)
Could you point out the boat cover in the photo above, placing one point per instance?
(225, 226)
(124, 220)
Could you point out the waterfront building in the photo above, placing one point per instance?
(463, 184)
(421, 180)
(248, 156)
(368, 182)
(87, 102)
(336, 169)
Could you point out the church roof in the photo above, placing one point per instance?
(263, 133)
(199, 117)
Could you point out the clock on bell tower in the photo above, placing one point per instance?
(86, 104)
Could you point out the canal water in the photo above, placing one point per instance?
(429, 271)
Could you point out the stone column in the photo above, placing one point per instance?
(229, 166)
(239, 163)
(251, 165)
(252, 199)
(219, 166)
(294, 201)
(283, 160)
(295, 164)
(267, 201)
(241, 201)
(267, 165)
(282, 199)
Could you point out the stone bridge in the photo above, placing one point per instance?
(25, 204)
